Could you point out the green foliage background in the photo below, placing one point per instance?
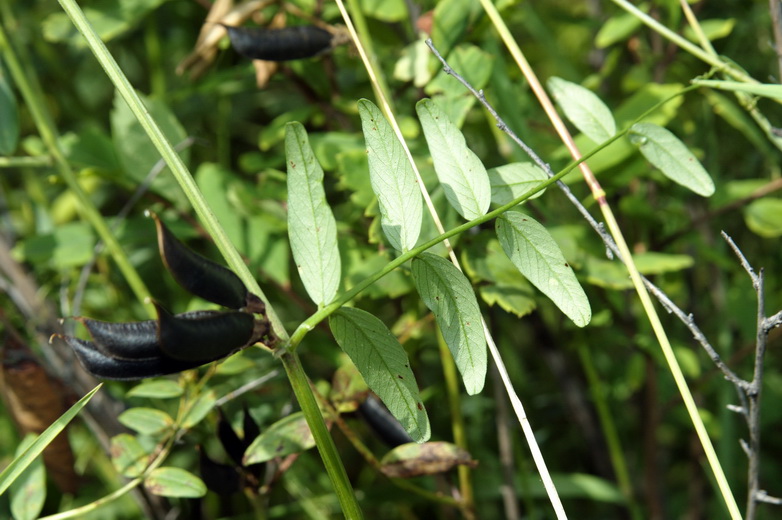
(559, 370)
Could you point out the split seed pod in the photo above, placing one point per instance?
(198, 275)
(287, 43)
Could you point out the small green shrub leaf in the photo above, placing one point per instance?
(128, 456)
(311, 225)
(584, 109)
(202, 406)
(764, 217)
(513, 180)
(174, 482)
(290, 434)
(448, 294)
(146, 420)
(21, 462)
(535, 253)
(462, 174)
(392, 178)
(28, 492)
(383, 363)
(157, 389)
(672, 157)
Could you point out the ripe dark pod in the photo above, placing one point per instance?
(287, 43)
(203, 339)
(198, 275)
(134, 340)
(105, 367)
(385, 425)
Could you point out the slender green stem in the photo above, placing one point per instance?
(457, 422)
(32, 93)
(685, 44)
(92, 506)
(41, 161)
(609, 431)
(323, 440)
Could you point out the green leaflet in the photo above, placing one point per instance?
(20, 463)
(392, 178)
(174, 482)
(584, 109)
(672, 157)
(311, 226)
(448, 294)
(535, 253)
(290, 434)
(146, 420)
(462, 174)
(513, 180)
(383, 363)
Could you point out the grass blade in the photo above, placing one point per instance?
(19, 464)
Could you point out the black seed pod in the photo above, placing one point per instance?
(288, 43)
(198, 275)
(385, 425)
(204, 339)
(135, 340)
(222, 479)
(105, 367)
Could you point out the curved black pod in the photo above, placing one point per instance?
(105, 367)
(204, 339)
(287, 43)
(132, 340)
(198, 275)
(385, 425)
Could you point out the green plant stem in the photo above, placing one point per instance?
(615, 450)
(685, 44)
(32, 93)
(323, 440)
(378, 80)
(41, 161)
(92, 506)
(457, 422)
